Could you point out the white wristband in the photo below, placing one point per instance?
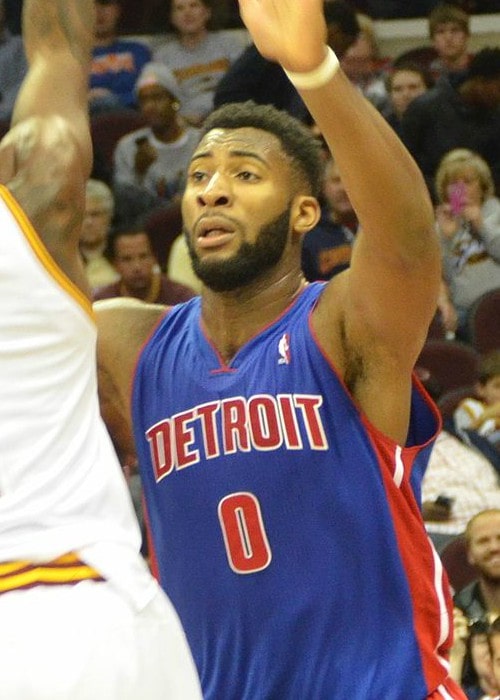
(319, 76)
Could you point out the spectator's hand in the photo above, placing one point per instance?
(472, 214)
(492, 411)
(145, 156)
(448, 223)
(459, 647)
(460, 626)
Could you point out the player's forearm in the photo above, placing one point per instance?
(53, 26)
(383, 181)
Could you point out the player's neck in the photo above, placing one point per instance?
(231, 319)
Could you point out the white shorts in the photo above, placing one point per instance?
(85, 642)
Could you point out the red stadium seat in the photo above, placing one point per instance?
(454, 558)
(484, 322)
(451, 363)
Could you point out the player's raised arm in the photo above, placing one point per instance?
(390, 293)
(46, 157)
(58, 36)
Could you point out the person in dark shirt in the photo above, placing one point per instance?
(140, 277)
(459, 112)
(253, 77)
(326, 249)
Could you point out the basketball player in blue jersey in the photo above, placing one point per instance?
(280, 432)
(81, 617)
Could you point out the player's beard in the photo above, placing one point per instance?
(249, 262)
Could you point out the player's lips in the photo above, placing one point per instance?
(212, 231)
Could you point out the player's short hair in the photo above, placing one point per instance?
(447, 13)
(297, 140)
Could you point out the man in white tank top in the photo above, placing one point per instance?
(80, 615)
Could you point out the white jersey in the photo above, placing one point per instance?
(61, 486)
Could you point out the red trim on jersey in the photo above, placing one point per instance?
(417, 558)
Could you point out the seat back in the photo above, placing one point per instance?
(163, 225)
(108, 128)
(454, 558)
(451, 363)
(484, 322)
(449, 400)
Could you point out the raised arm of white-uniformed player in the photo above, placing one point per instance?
(374, 318)
(46, 157)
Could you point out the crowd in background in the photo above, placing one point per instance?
(444, 102)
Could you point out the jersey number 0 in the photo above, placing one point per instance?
(245, 538)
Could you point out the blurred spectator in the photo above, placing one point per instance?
(395, 9)
(139, 274)
(116, 63)
(197, 56)
(482, 411)
(179, 267)
(99, 208)
(494, 646)
(326, 249)
(153, 159)
(13, 12)
(459, 112)
(468, 221)
(404, 83)
(364, 66)
(471, 660)
(253, 77)
(458, 483)
(481, 598)
(13, 66)
(449, 32)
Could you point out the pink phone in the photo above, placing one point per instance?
(456, 197)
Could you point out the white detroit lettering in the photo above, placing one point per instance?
(237, 424)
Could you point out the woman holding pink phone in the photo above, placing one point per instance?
(468, 221)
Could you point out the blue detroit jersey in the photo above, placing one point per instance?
(286, 529)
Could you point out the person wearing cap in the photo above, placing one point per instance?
(154, 158)
(116, 63)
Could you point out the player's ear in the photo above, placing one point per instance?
(305, 213)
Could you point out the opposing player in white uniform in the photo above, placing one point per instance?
(80, 615)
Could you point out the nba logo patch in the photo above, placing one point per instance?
(284, 349)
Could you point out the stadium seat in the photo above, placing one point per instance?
(451, 364)
(163, 224)
(484, 322)
(454, 558)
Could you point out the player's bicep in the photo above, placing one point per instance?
(391, 297)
